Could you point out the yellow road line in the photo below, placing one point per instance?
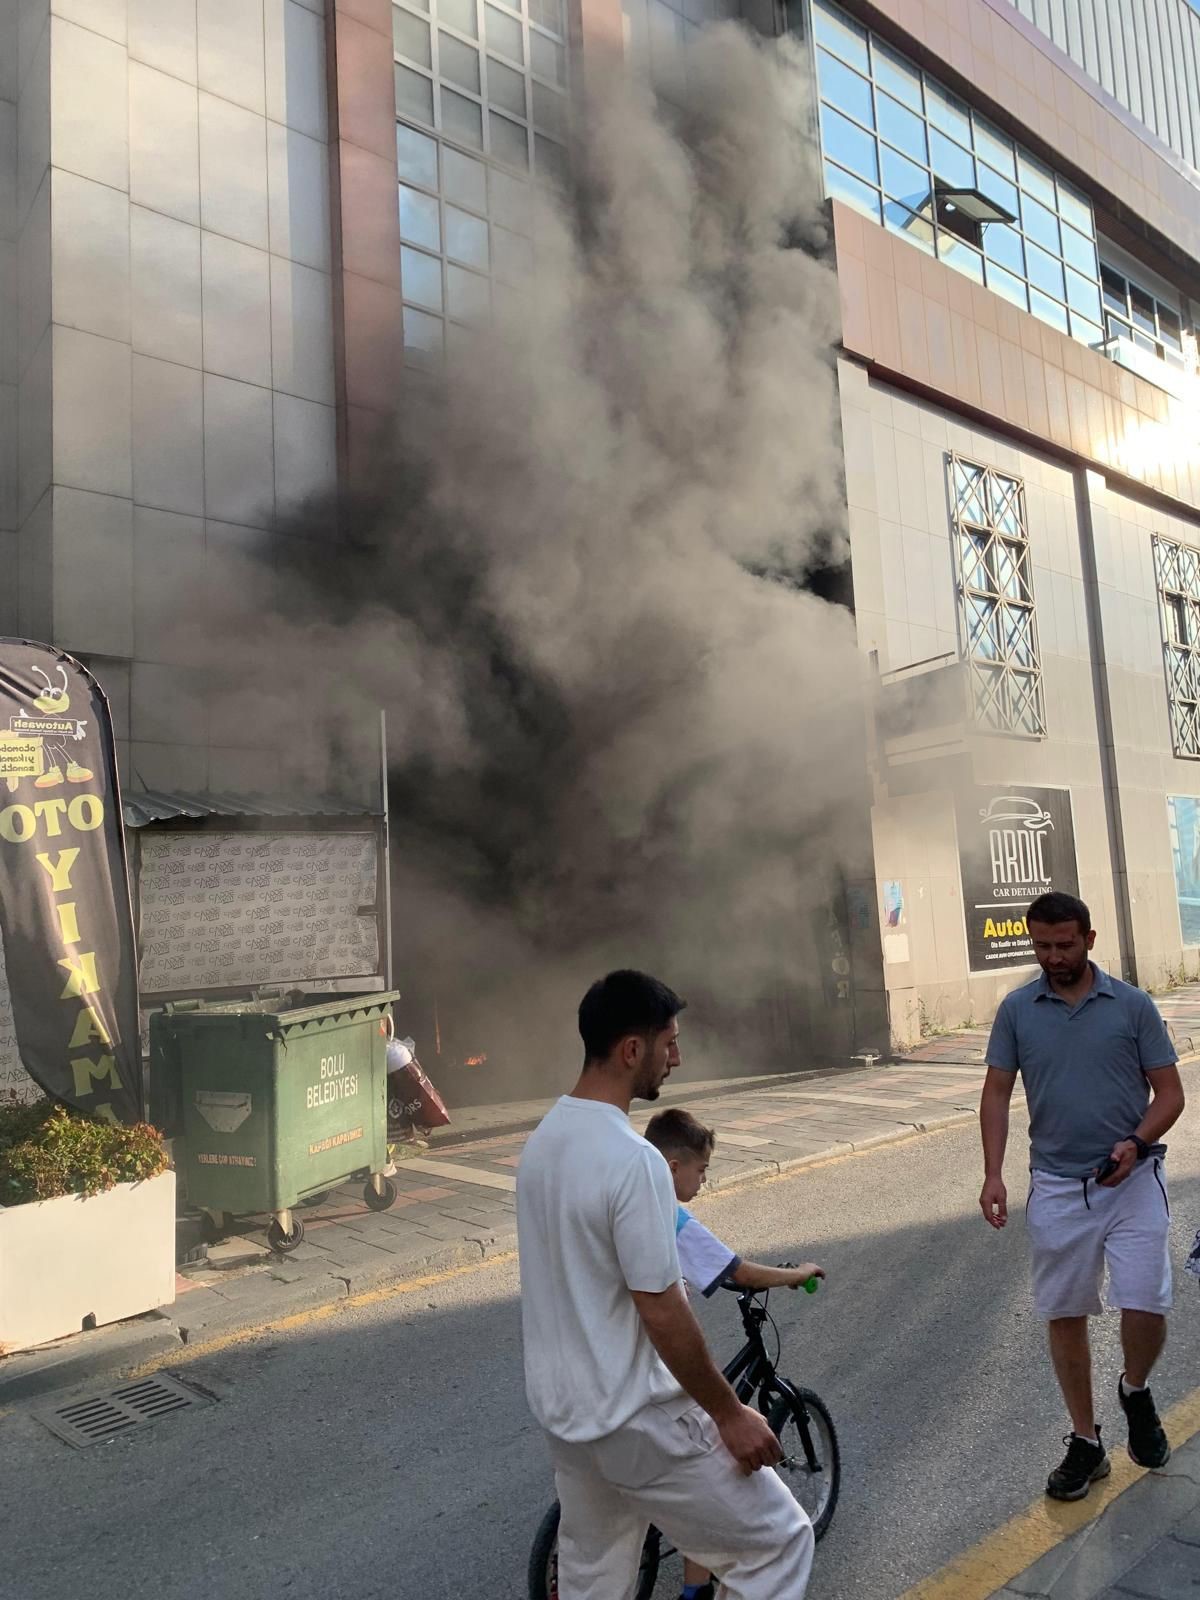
(1004, 1554)
(315, 1314)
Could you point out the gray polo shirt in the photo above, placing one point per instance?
(1084, 1067)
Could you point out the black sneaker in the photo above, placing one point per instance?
(1079, 1469)
(1148, 1444)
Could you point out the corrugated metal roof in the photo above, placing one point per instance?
(152, 805)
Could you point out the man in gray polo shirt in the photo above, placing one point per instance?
(1102, 1089)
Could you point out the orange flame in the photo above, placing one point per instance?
(475, 1061)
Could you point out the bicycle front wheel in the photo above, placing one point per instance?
(811, 1465)
(543, 1561)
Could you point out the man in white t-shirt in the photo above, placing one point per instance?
(642, 1426)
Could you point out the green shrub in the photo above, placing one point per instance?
(47, 1151)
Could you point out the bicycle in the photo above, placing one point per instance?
(799, 1419)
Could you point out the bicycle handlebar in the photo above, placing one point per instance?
(810, 1285)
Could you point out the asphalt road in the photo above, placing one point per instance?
(386, 1451)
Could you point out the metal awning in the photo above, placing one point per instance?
(153, 805)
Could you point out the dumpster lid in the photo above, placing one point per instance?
(272, 1007)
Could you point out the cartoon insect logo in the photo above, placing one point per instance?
(54, 700)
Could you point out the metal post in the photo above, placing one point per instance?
(385, 840)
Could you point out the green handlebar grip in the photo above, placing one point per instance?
(810, 1285)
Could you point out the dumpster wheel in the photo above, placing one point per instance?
(284, 1242)
(379, 1199)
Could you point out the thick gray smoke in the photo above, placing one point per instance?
(621, 731)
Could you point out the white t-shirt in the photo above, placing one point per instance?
(595, 1219)
(705, 1261)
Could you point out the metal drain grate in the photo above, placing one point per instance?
(106, 1416)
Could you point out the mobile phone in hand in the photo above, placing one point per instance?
(1107, 1170)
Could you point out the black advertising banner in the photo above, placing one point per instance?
(65, 912)
(1014, 844)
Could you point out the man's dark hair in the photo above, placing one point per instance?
(623, 1003)
(678, 1133)
(1057, 907)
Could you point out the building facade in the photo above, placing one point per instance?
(223, 221)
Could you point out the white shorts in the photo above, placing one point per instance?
(1077, 1230)
(667, 1465)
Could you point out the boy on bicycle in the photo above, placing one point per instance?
(704, 1260)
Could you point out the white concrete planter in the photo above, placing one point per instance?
(67, 1261)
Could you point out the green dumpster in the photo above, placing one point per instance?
(273, 1102)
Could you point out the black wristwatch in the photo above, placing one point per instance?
(1143, 1149)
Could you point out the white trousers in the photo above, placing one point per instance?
(667, 1466)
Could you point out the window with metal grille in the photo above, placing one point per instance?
(995, 586)
(1177, 574)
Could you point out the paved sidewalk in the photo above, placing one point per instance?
(1145, 1545)
(455, 1206)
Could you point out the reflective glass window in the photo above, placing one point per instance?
(995, 148)
(1079, 251)
(900, 127)
(419, 219)
(918, 230)
(848, 144)
(947, 112)
(506, 88)
(1074, 208)
(1040, 225)
(414, 93)
(466, 238)
(1082, 295)
(462, 119)
(464, 179)
(836, 30)
(1044, 271)
(952, 165)
(1049, 310)
(1086, 332)
(410, 37)
(853, 191)
(1008, 284)
(416, 156)
(458, 62)
(895, 75)
(1005, 246)
(847, 90)
(504, 33)
(999, 189)
(904, 180)
(510, 141)
(961, 256)
(421, 277)
(1035, 178)
(459, 14)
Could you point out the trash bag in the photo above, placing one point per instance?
(412, 1101)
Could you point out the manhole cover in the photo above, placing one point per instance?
(104, 1416)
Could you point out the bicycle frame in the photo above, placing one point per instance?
(752, 1372)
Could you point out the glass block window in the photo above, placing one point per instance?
(899, 147)
(996, 607)
(1177, 575)
(1134, 314)
(481, 105)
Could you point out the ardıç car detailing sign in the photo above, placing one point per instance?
(65, 912)
(1014, 844)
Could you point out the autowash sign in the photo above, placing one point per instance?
(1014, 844)
(65, 914)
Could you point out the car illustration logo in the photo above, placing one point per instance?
(1017, 808)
